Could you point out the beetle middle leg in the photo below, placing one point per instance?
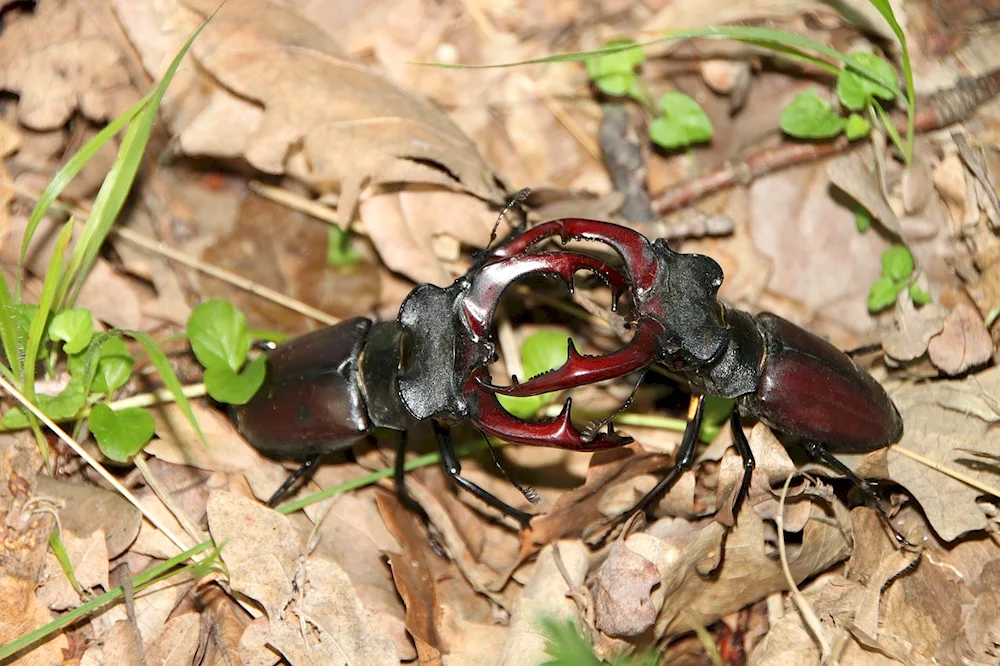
(453, 468)
(301, 471)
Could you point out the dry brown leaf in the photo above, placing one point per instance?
(942, 417)
(544, 596)
(963, 343)
(110, 297)
(338, 626)
(748, 571)
(354, 533)
(259, 547)
(89, 558)
(912, 329)
(84, 510)
(857, 178)
(60, 59)
(818, 257)
(123, 645)
(414, 580)
(226, 625)
(177, 442)
(319, 106)
(621, 590)
(153, 605)
(177, 643)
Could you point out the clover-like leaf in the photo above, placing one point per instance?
(74, 328)
(218, 335)
(856, 90)
(540, 352)
(684, 122)
(235, 388)
(918, 295)
(897, 263)
(121, 435)
(883, 293)
(857, 127)
(62, 407)
(614, 73)
(808, 116)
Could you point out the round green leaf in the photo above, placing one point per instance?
(74, 328)
(897, 263)
(114, 367)
(856, 89)
(614, 73)
(857, 127)
(684, 122)
(218, 335)
(918, 295)
(540, 352)
(234, 388)
(121, 435)
(862, 218)
(882, 294)
(808, 116)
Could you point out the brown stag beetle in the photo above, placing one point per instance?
(780, 373)
(327, 390)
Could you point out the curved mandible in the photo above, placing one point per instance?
(635, 249)
(487, 285)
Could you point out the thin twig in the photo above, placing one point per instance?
(939, 110)
(805, 609)
(947, 471)
(157, 247)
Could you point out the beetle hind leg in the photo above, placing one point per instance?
(821, 453)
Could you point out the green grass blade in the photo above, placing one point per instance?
(885, 9)
(8, 331)
(170, 380)
(59, 550)
(142, 580)
(45, 301)
(66, 174)
(116, 187)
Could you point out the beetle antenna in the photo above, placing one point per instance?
(528, 492)
(518, 199)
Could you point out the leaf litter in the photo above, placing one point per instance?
(412, 159)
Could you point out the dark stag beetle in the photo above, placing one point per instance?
(780, 373)
(327, 390)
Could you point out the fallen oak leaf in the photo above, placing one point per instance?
(621, 589)
(942, 418)
(324, 118)
(963, 343)
(912, 329)
(60, 59)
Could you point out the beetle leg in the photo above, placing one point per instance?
(487, 412)
(453, 469)
(823, 454)
(299, 472)
(685, 457)
(743, 446)
(579, 370)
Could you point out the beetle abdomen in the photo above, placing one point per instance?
(311, 401)
(811, 388)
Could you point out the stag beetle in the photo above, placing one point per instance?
(780, 373)
(328, 389)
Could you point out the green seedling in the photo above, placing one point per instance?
(220, 340)
(897, 275)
